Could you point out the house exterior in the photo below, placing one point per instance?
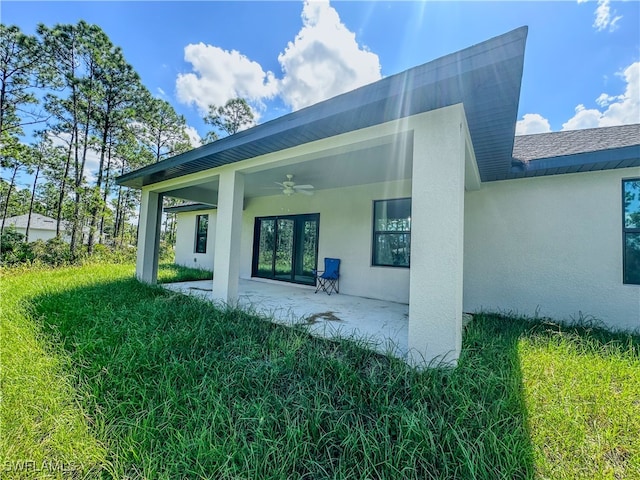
(422, 190)
(40, 228)
(550, 239)
(195, 234)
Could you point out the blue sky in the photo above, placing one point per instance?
(582, 61)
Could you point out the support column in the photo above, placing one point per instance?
(149, 236)
(437, 225)
(228, 233)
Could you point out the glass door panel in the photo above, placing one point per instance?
(266, 246)
(284, 249)
(307, 250)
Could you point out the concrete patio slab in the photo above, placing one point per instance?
(384, 326)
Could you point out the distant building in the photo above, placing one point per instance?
(40, 228)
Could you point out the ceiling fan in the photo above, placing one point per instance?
(289, 187)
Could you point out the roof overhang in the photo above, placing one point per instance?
(571, 151)
(609, 159)
(190, 207)
(485, 78)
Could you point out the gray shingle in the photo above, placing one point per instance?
(529, 148)
(38, 222)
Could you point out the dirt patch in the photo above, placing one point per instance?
(330, 316)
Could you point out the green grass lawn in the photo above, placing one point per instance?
(105, 377)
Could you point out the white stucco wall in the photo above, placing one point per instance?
(186, 240)
(550, 246)
(345, 232)
(440, 148)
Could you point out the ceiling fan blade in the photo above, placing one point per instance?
(304, 187)
(280, 184)
(305, 192)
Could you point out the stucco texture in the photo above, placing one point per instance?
(550, 247)
(186, 240)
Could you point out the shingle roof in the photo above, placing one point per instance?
(573, 151)
(547, 145)
(485, 78)
(38, 222)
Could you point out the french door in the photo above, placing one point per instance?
(286, 248)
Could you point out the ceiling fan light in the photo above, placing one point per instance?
(289, 187)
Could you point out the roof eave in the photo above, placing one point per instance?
(486, 78)
(189, 208)
(609, 159)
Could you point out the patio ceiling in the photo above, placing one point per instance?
(378, 160)
(485, 78)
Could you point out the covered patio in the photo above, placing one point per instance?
(427, 135)
(381, 326)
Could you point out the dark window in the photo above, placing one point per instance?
(202, 223)
(392, 232)
(631, 230)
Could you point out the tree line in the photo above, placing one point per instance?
(68, 100)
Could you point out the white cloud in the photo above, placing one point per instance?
(603, 100)
(324, 59)
(584, 118)
(617, 109)
(221, 75)
(612, 110)
(194, 136)
(627, 107)
(605, 18)
(532, 123)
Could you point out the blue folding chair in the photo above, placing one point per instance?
(327, 280)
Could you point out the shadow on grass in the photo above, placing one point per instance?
(178, 389)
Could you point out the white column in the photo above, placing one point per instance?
(226, 253)
(437, 224)
(148, 236)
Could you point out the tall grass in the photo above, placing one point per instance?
(43, 426)
(167, 386)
